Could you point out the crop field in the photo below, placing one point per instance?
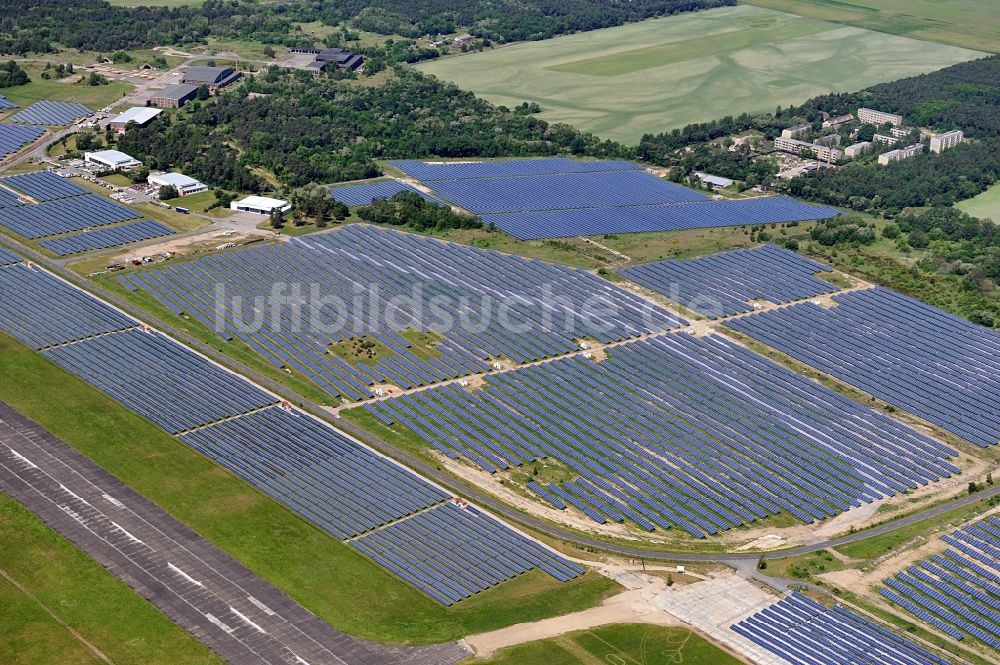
(984, 206)
(957, 22)
(628, 644)
(622, 82)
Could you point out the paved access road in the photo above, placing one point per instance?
(238, 615)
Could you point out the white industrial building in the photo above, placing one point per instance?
(715, 180)
(875, 117)
(946, 140)
(140, 115)
(112, 159)
(185, 185)
(901, 153)
(262, 205)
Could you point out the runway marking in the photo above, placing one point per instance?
(245, 619)
(181, 573)
(24, 460)
(72, 493)
(214, 619)
(300, 659)
(261, 606)
(128, 535)
(69, 511)
(113, 501)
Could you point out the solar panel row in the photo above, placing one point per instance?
(13, 138)
(75, 213)
(6, 104)
(911, 355)
(803, 632)
(8, 199)
(314, 470)
(957, 591)
(723, 284)
(50, 113)
(43, 185)
(107, 237)
(7, 257)
(458, 170)
(478, 305)
(698, 433)
(597, 220)
(365, 193)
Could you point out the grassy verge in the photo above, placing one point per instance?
(94, 96)
(71, 592)
(624, 644)
(339, 585)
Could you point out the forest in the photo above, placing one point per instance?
(308, 129)
(42, 26)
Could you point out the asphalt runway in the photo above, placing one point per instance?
(242, 618)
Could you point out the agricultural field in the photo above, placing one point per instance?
(690, 68)
(984, 206)
(958, 22)
(627, 644)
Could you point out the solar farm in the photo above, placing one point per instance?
(725, 284)
(365, 193)
(918, 358)
(958, 590)
(803, 632)
(15, 137)
(50, 113)
(114, 236)
(6, 104)
(386, 265)
(552, 198)
(341, 486)
(43, 186)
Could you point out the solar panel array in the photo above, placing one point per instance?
(723, 284)
(7, 257)
(957, 591)
(43, 185)
(107, 237)
(336, 483)
(50, 113)
(360, 265)
(75, 213)
(560, 191)
(365, 193)
(8, 199)
(13, 138)
(697, 433)
(433, 549)
(6, 104)
(431, 171)
(803, 632)
(911, 355)
(536, 225)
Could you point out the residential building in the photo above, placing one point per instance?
(900, 132)
(886, 139)
(112, 159)
(833, 123)
(821, 152)
(174, 96)
(795, 131)
(875, 117)
(185, 185)
(262, 205)
(946, 140)
(901, 153)
(140, 115)
(858, 149)
(214, 77)
(829, 140)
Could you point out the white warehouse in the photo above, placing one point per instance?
(185, 185)
(262, 205)
(112, 159)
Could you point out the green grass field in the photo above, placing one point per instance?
(339, 585)
(968, 23)
(984, 206)
(625, 644)
(94, 96)
(41, 606)
(664, 73)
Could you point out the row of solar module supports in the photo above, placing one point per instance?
(43, 185)
(958, 591)
(936, 366)
(63, 216)
(723, 284)
(106, 237)
(803, 632)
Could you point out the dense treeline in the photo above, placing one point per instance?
(305, 128)
(41, 25)
(412, 211)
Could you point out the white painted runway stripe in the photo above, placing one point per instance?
(181, 573)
